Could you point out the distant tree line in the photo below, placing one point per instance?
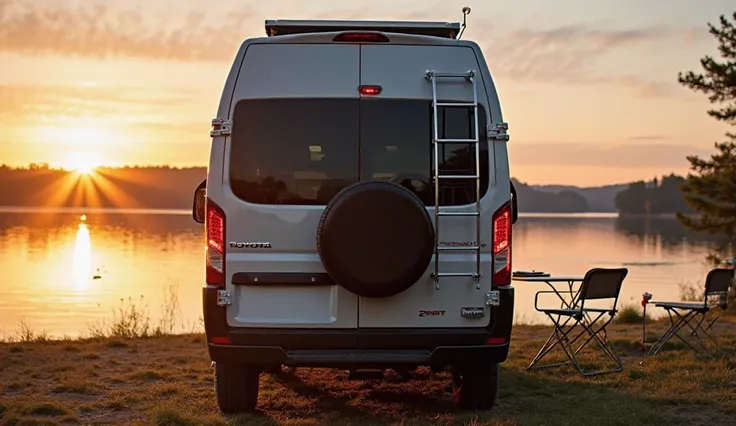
(156, 187)
(536, 201)
(162, 187)
(656, 197)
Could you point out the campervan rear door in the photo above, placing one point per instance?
(294, 144)
(404, 107)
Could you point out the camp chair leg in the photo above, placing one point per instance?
(561, 336)
(705, 330)
(557, 336)
(548, 345)
(603, 345)
(696, 331)
(675, 326)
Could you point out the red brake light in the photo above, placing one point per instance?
(361, 38)
(501, 229)
(215, 225)
(501, 247)
(370, 90)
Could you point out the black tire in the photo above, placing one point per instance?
(475, 387)
(375, 238)
(236, 386)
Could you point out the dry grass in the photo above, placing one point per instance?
(167, 380)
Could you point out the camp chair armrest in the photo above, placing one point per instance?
(536, 296)
(598, 310)
(563, 312)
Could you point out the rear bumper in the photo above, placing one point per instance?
(358, 347)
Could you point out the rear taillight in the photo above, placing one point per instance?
(501, 246)
(215, 224)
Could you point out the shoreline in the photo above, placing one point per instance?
(187, 211)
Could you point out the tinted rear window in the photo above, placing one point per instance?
(304, 151)
(294, 151)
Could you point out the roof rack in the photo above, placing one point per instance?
(276, 27)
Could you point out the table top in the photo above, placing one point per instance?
(547, 279)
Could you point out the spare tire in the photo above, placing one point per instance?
(375, 238)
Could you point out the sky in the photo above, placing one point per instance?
(589, 89)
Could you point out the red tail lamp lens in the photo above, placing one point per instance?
(501, 248)
(215, 254)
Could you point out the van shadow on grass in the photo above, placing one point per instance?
(328, 395)
(677, 387)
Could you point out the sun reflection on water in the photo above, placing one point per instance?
(82, 256)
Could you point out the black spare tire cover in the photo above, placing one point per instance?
(375, 238)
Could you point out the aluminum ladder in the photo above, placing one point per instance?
(469, 77)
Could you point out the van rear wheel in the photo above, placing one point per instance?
(236, 386)
(475, 386)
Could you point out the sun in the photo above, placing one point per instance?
(82, 163)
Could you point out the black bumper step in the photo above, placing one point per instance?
(357, 357)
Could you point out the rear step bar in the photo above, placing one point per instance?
(357, 358)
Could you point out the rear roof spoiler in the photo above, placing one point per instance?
(276, 27)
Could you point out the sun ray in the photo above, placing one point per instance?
(126, 175)
(59, 192)
(116, 196)
(90, 192)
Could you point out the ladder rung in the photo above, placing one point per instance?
(457, 177)
(458, 214)
(457, 141)
(456, 104)
(453, 75)
(455, 274)
(471, 248)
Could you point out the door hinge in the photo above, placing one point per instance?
(493, 298)
(221, 127)
(497, 131)
(224, 298)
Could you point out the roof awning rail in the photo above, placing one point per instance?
(276, 27)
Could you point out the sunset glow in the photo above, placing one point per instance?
(83, 163)
(137, 82)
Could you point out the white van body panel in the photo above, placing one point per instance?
(311, 66)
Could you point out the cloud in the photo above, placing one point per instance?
(647, 138)
(29, 100)
(573, 54)
(160, 115)
(102, 31)
(562, 53)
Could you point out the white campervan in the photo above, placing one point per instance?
(358, 208)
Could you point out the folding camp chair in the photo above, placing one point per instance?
(692, 314)
(598, 284)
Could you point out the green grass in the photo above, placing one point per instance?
(631, 314)
(167, 380)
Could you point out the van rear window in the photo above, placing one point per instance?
(304, 151)
(294, 151)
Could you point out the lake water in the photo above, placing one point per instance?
(61, 271)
